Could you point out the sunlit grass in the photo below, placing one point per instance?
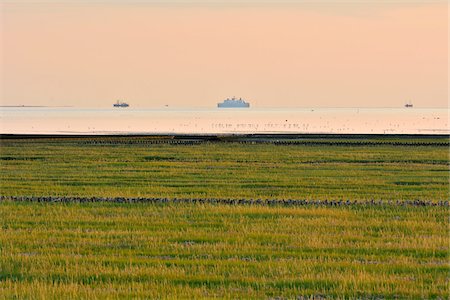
(143, 250)
(187, 251)
(129, 169)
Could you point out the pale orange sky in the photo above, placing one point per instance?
(333, 54)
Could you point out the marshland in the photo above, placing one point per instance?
(261, 217)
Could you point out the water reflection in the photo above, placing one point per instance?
(133, 121)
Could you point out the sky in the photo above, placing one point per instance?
(197, 53)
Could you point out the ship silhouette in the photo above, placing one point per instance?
(120, 104)
(233, 103)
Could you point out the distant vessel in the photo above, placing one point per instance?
(233, 102)
(409, 104)
(120, 104)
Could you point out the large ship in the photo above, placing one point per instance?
(120, 104)
(233, 102)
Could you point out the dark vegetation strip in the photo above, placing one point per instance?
(277, 139)
(227, 136)
(228, 201)
(303, 143)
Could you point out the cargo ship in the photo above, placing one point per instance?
(120, 104)
(233, 103)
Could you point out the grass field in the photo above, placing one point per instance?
(148, 250)
(192, 251)
(124, 167)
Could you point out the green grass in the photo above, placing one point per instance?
(193, 251)
(124, 167)
(143, 250)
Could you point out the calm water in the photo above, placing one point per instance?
(28, 120)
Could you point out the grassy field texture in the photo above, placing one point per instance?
(107, 250)
(176, 250)
(390, 168)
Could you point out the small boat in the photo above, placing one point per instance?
(120, 104)
(409, 105)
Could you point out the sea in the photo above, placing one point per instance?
(133, 121)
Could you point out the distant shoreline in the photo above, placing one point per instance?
(17, 106)
(268, 108)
